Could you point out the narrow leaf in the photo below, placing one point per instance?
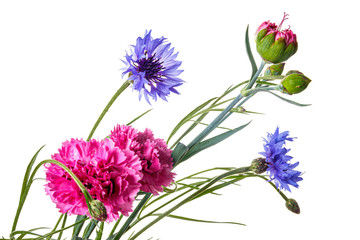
(249, 53)
(290, 101)
(198, 220)
(89, 229)
(188, 117)
(211, 142)
(23, 193)
(79, 226)
(219, 186)
(141, 115)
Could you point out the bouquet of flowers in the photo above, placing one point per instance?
(128, 177)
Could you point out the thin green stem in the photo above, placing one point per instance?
(112, 100)
(57, 223)
(100, 232)
(62, 226)
(192, 196)
(250, 92)
(273, 185)
(116, 224)
(256, 75)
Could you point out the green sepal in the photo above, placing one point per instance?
(211, 142)
(289, 51)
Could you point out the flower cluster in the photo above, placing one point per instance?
(113, 171)
(152, 67)
(278, 165)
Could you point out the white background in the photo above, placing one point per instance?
(59, 66)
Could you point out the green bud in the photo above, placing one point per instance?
(98, 210)
(274, 70)
(292, 205)
(259, 165)
(294, 83)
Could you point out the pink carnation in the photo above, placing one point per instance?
(111, 175)
(156, 160)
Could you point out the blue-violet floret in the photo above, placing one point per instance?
(281, 171)
(153, 68)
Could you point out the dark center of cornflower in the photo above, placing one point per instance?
(151, 66)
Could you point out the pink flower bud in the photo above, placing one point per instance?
(273, 44)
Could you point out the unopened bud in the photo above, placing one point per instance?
(292, 205)
(274, 70)
(294, 82)
(98, 210)
(259, 165)
(273, 44)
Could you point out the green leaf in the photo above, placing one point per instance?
(214, 104)
(290, 101)
(141, 115)
(249, 53)
(211, 142)
(188, 117)
(221, 185)
(179, 152)
(24, 192)
(197, 220)
(89, 229)
(79, 226)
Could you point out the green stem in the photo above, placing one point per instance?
(57, 224)
(273, 185)
(115, 226)
(259, 89)
(192, 196)
(62, 226)
(100, 232)
(256, 75)
(112, 100)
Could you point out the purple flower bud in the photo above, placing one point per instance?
(292, 205)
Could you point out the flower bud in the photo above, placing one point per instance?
(292, 205)
(295, 82)
(259, 165)
(98, 210)
(273, 44)
(274, 70)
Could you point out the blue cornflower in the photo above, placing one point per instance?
(279, 168)
(152, 67)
